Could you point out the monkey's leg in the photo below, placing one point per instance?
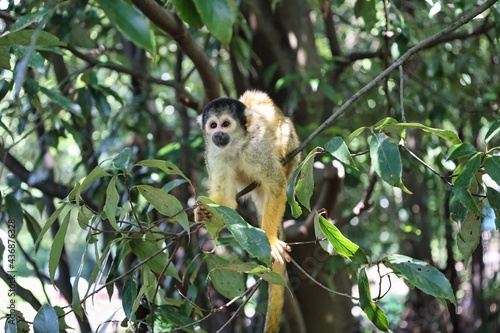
(272, 215)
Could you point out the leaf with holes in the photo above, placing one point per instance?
(469, 235)
(229, 283)
(215, 224)
(421, 275)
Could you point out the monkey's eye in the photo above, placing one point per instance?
(213, 124)
(226, 123)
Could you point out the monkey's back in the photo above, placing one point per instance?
(273, 134)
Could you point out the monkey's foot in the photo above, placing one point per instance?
(279, 251)
(201, 213)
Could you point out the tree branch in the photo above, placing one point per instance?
(47, 186)
(426, 43)
(173, 25)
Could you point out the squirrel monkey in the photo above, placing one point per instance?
(246, 141)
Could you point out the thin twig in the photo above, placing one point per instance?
(319, 284)
(401, 94)
(252, 291)
(427, 165)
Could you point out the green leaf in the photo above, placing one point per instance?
(337, 147)
(188, 13)
(129, 295)
(258, 270)
(462, 183)
(31, 18)
(382, 125)
(57, 247)
(61, 314)
(305, 182)
(301, 184)
(24, 38)
(492, 167)
(355, 134)
(4, 60)
(218, 18)
(422, 275)
(165, 203)
(131, 22)
(291, 191)
(366, 9)
(458, 212)
(146, 249)
(46, 320)
(494, 201)
(111, 203)
(178, 318)
(341, 244)
(216, 222)
(173, 184)
(386, 160)
(14, 210)
(168, 167)
(492, 131)
(64, 102)
(461, 150)
(469, 235)
(253, 240)
(372, 311)
(33, 226)
(48, 224)
(228, 283)
(122, 160)
(75, 303)
(447, 135)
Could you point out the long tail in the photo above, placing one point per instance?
(275, 302)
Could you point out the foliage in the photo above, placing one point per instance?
(98, 103)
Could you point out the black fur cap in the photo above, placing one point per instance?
(221, 106)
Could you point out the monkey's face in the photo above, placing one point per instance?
(221, 130)
(224, 123)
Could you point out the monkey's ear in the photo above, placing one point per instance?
(250, 116)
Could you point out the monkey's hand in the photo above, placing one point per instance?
(279, 250)
(201, 213)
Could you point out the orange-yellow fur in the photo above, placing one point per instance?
(258, 138)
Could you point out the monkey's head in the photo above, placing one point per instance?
(224, 121)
